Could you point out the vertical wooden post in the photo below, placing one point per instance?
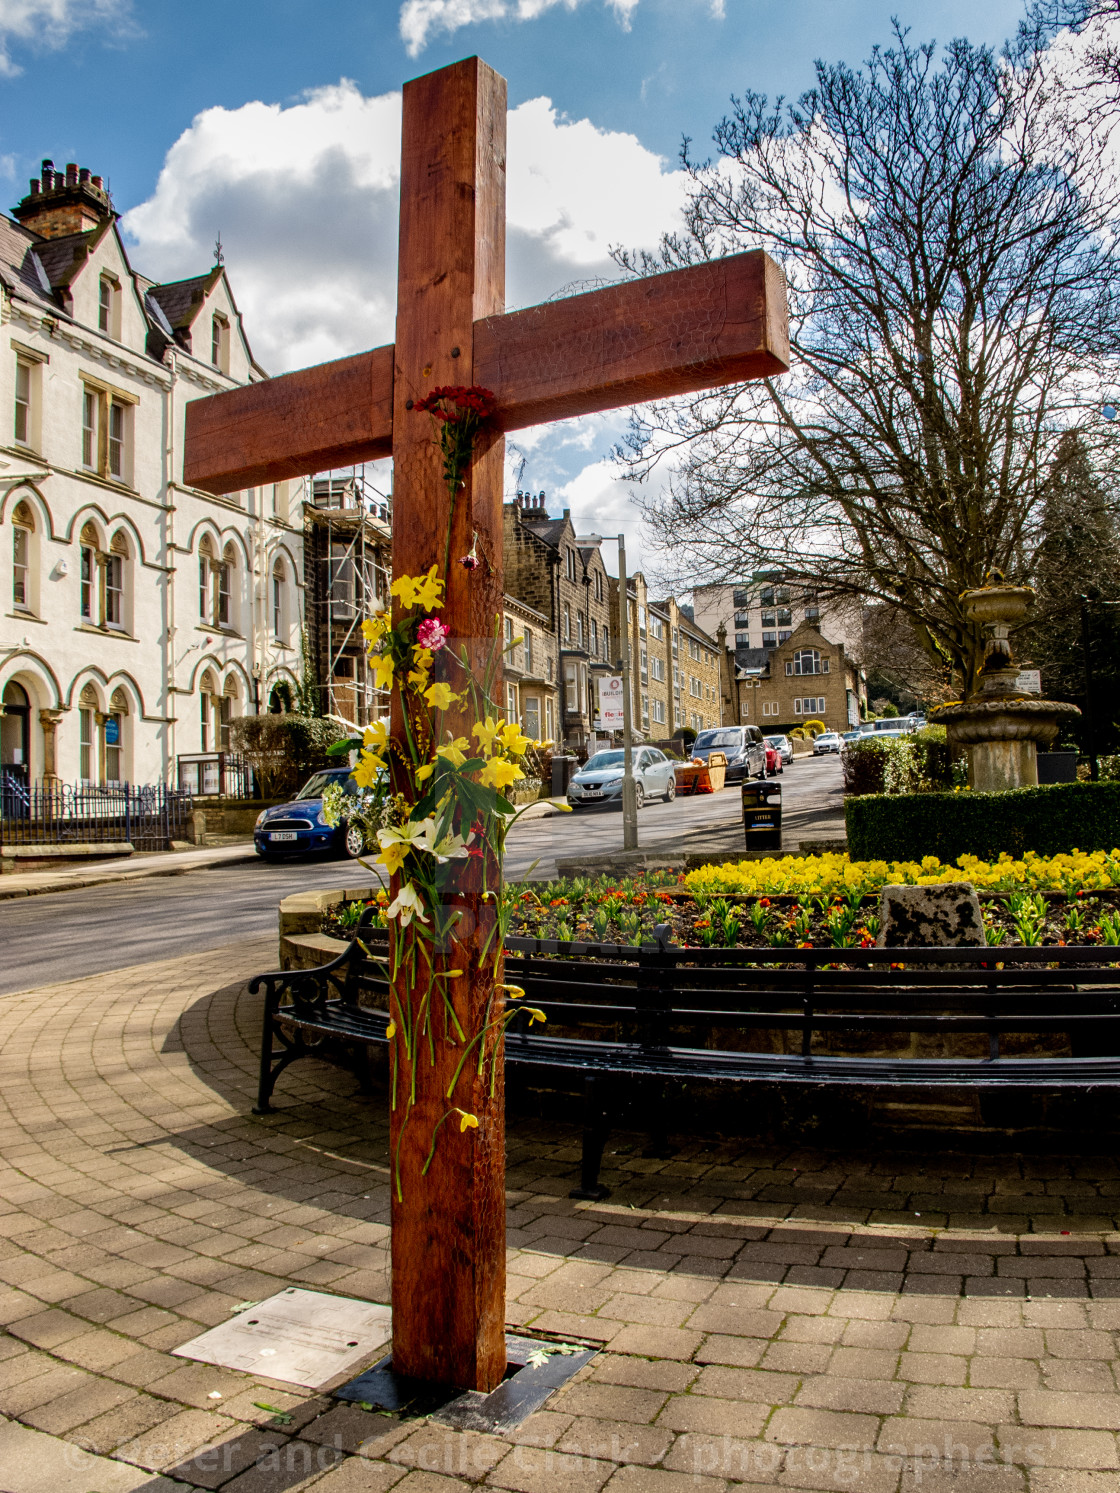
(449, 1226)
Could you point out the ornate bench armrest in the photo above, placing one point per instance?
(308, 988)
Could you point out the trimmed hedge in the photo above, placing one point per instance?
(1049, 821)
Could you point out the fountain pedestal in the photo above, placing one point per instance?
(1000, 728)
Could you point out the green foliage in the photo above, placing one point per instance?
(1049, 821)
(283, 750)
(918, 763)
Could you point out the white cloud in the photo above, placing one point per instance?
(50, 23)
(420, 18)
(306, 198)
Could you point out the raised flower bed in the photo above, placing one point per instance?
(821, 901)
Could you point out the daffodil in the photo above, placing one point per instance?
(425, 772)
(440, 696)
(391, 1031)
(486, 731)
(514, 740)
(455, 751)
(374, 628)
(406, 905)
(383, 670)
(375, 738)
(366, 770)
(419, 591)
(499, 774)
(421, 668)
(466, 1121)
(396, 842)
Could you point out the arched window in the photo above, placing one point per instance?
(227, 711)
(278, 629)
(90, 584)
(208, 693)
(280, 699)
(88, 710)
(807, 661)
(116, 575)
(205, 579)
(115, 727)
(226, 574)
(23, 545)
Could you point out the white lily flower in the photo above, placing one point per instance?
(406, 905)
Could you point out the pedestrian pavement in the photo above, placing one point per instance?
(770, 1315)
(157, 863)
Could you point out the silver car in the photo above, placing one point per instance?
(827, 741)
(784, 747)
(599, 780)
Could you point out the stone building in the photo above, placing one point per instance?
(808, 677)
(532, 670)
(141, 615)
(763, 613)
(546, 570)
(674, 664)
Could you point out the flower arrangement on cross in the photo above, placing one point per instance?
(446, 812)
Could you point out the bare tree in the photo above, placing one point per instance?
(953, 304)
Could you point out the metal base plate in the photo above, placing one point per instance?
(297, 1337)
(536, 1370)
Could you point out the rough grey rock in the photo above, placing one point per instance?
(930, 916)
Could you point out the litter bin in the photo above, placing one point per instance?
(563, 770)
(762, 815)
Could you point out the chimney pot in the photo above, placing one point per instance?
(71, 173)
(96, 182)
(34, 186)
(83, 174)
(48, 168)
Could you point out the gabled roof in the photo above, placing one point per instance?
(181, 300)
(64, 258)
(20, 265)
(551, 532)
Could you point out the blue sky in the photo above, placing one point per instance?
(276, 123)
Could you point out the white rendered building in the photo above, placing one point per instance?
(139, 615)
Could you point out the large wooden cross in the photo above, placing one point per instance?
(717, 323)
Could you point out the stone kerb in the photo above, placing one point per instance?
(302, 945)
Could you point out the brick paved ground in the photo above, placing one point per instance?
(772, 1316)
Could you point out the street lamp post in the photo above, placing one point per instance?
(629, 795)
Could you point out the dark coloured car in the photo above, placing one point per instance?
(743, 747)
(298, 827)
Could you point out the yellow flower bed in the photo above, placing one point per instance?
(825, 875)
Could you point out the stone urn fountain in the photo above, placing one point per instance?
(1000, 726)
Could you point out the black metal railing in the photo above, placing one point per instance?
(147, 817)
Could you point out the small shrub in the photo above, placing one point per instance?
(284, 750)
(865, 765)
(814, 728)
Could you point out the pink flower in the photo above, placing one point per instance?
(432, 634)
(469, 562)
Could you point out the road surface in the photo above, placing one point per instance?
(62, 935)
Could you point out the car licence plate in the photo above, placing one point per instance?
(592, 793)
(283, 834)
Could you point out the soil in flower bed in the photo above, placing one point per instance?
(626, 911)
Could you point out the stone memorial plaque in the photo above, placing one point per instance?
(299, 1337)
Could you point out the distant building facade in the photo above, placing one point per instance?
(762, 613)
(674, 664)
(141, 615)
(809, 677)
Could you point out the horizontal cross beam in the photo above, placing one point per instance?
(653, 338)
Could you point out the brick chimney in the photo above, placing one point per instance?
(62, 203)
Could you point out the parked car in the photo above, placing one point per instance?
(889, 726)
(827, 741)
(298, 827)
(784, 746)
(774, 763)
(599, 780)
(742, 745)
(850, 736)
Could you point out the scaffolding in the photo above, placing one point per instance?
(348, 524)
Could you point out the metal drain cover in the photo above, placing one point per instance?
(298, 1337)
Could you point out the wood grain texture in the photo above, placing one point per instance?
(310, 421)
(448, 1234)
(718, 323)
(677, 333)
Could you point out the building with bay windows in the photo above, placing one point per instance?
(140, 615)
(808, 678)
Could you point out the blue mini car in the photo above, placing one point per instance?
(298, 827)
